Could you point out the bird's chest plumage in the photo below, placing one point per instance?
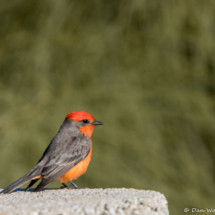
(77, 170)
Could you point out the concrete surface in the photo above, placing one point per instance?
(84, 202)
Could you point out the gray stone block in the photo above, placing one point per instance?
(84, 202)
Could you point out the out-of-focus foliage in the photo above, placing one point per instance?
(145, 68)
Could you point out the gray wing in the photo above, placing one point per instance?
(68, 148)
(62, 154)
(62, 158)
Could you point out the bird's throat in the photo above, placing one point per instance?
(87, 130)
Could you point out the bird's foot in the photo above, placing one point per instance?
(74, 186)
(69, 188)
(66, 187)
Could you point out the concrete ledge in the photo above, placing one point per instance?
(84, 202)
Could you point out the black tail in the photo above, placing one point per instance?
(16, 184)
(34, 172)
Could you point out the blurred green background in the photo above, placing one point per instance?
(144, 68)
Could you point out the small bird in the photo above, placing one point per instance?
(66, 157)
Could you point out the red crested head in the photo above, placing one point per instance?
(79, 115)
(85, 121)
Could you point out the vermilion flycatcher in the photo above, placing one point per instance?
(66, 157)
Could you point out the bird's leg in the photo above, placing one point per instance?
(67, 187)
(74, 185)
(64, 185)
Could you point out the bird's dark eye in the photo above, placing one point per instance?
(85, 121)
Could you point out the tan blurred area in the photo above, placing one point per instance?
(144, 68)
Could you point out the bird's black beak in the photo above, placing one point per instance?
(97, 123)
